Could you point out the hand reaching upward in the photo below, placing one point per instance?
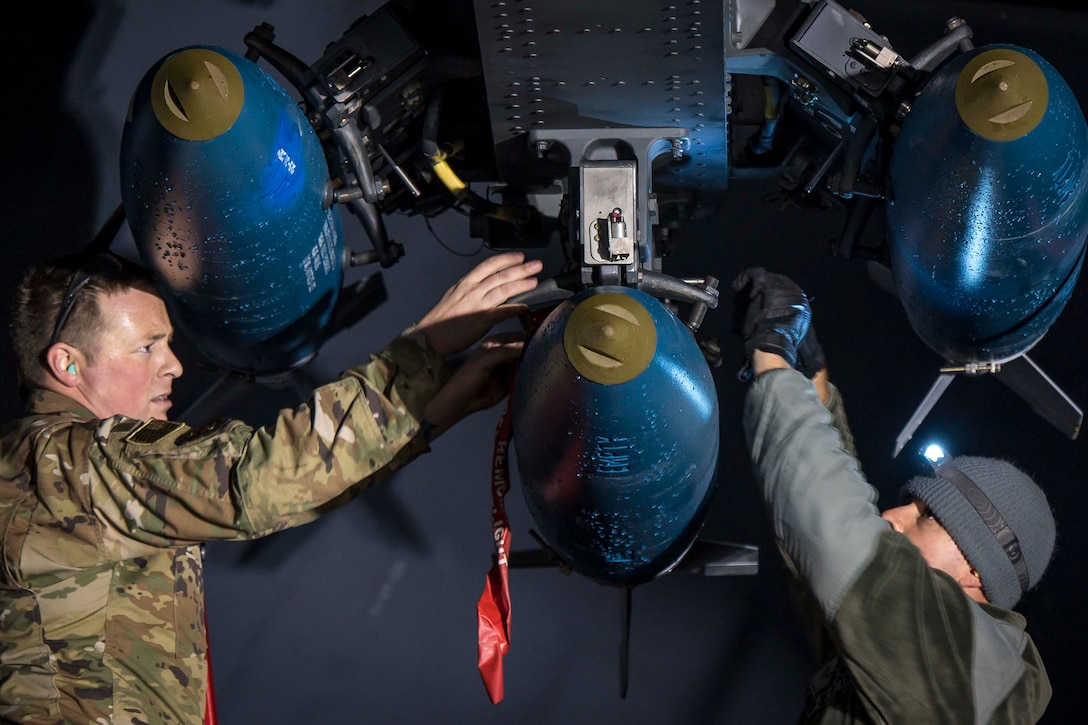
(477, 302)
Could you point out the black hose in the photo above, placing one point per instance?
(430, 124)
(929, 58)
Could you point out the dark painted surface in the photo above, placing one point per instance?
(369, 614)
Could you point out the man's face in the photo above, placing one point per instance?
(134, 368)
(915, 521)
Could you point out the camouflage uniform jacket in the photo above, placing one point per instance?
(102, 594)
(900, 642)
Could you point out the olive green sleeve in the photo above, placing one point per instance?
(835, 406)
(920, 651)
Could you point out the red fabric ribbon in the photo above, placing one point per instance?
(493, 609)
(209, 701)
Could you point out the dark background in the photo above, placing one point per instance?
(368, 615)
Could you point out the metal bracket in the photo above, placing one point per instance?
(595, 146)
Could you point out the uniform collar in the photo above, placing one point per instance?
(1008, 616)
(42, 401)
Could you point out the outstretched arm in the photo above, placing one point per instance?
(464, 314)
(481, 382)
(764, 361)
(477, 302)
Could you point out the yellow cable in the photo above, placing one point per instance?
(445, 174)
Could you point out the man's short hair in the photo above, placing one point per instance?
(37, 304)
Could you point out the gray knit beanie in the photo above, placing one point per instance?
(1016, 500)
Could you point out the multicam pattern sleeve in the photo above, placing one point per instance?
(163, 483)
(101, 595)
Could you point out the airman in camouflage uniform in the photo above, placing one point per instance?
(101, 518)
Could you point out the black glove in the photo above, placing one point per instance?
(770, 313)
(810, 355)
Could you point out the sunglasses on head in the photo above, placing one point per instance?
(97, 265)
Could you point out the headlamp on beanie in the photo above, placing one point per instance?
(943, 468)
(996, 514)
(935, 454)
(990, 516)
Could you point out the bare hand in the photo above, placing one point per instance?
(475, 303)
(482, 381)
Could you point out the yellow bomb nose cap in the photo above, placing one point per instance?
(197, 94)
(610, 338)
(1001, 94)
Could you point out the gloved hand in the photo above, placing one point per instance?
(810, 354)
(770, 313)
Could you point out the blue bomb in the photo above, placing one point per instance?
(223, 181)
(987, 206)
(615, 429)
